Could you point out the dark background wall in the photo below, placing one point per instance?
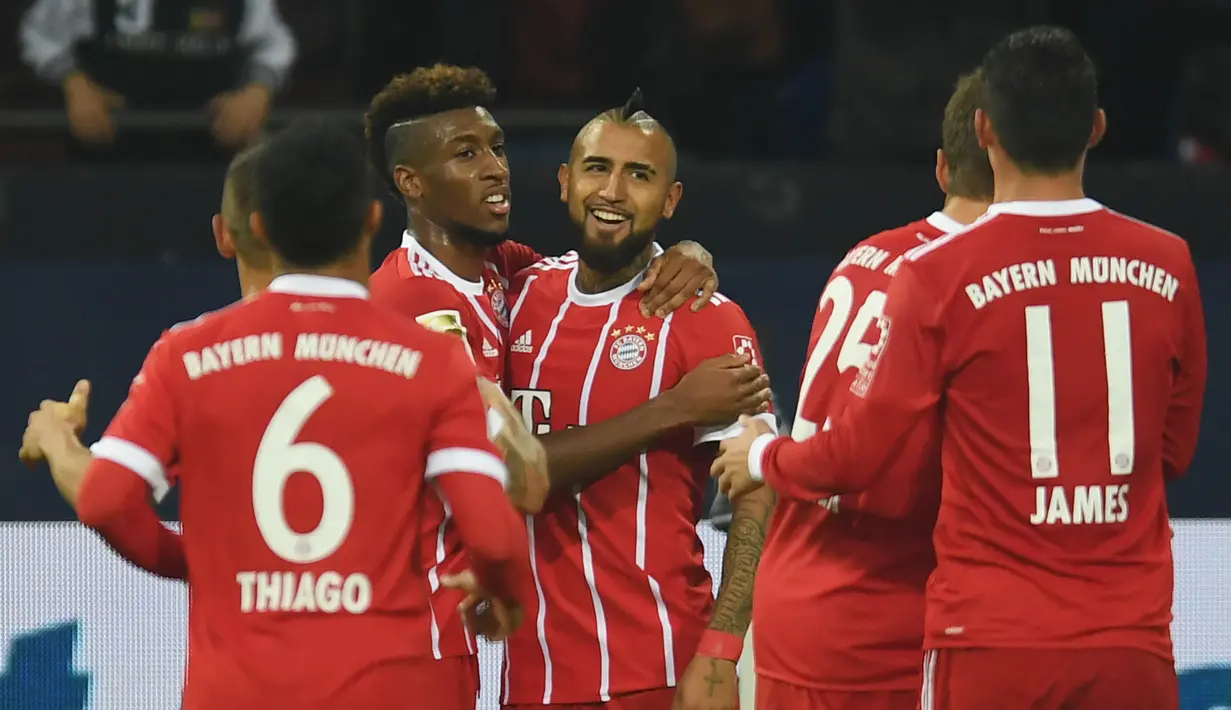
(96, 262)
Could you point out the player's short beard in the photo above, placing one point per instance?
(475, 236)
(608, 258)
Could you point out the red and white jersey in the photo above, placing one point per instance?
(306, 426)
(839, 595)
(1064, 346)
(416, 284)
(623, 593)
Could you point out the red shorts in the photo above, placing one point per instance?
(1047, 679)
(450, 683)
(657, 699)
(778, 695)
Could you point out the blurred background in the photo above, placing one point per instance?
(805, 126)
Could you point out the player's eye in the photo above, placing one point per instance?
(466, 153)
(640, 175)
(596, 168)
(498, 149)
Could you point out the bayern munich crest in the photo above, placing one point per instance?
(628, 351)
(500, 306)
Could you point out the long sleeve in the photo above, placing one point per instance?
(895, 394)
(468, 472)
(113, 501)
(1184, 412)
(48, 31)
(270, 44)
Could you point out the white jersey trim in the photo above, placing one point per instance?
(416, 253)
(610, 296)
(1046, 208)
(756, 456)
(136, 459)
(458, 459)
(317, 285)
(944, 222)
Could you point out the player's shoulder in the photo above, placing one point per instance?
(548, 273)
(204, 326)
(1149, 234)
(722, 311)
(899, 240)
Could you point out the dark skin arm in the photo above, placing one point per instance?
(718, 391)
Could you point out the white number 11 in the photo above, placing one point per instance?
(1041, 382)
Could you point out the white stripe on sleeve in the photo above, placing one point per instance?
(47, 33)
(135, 459)
(270, 43)
(459, 459)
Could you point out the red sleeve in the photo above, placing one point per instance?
(513, 256)
(471, 476)
(113, 501)
(130, 464)
(1187, 396)
(721, 328)
(896, 392)
(433, 304)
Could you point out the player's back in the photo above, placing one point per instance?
(1074, 353)
(857, 563)
(302, 464)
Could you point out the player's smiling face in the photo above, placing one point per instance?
(466, 175)
(619, 183)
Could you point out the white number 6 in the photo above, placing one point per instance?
(278, 456)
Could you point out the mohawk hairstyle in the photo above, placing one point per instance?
(426, 91)
(632, 112)
(970, 173)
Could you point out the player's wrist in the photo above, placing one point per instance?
(666, 413)
(721, 645)
(756, 456)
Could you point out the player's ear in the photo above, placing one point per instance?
(257, 225)
(409, 182)
(371, 222)
(563, 175)
(1100, 128)
(223, 240)
(983, 130)
(674, 193)
(942, 171)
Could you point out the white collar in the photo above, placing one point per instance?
(944, 222)
(1046, 208)
(412, 245)
(610, 296)
(317, 285)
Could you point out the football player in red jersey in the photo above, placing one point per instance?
(838, 609)
(430, 134)
(1061, 345)
(376, 409)
(624, 615)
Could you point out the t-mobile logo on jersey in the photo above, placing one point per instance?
(524, 401)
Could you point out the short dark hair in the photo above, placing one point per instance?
(1040, 90)
(313, 189)
(423, 92)
(970, 173)
(241, 188)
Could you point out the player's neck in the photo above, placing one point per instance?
(592, 281)
(253, 281)
(352, 269)
(964, 210)
(464, 259)
(1016, 186)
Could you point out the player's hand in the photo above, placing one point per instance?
(708, 684)
(731, 466)
(494, 619)
(54, 419)
(683, 271)
(89, 106)
(524, 456)
(719, 390)
(239, 115)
